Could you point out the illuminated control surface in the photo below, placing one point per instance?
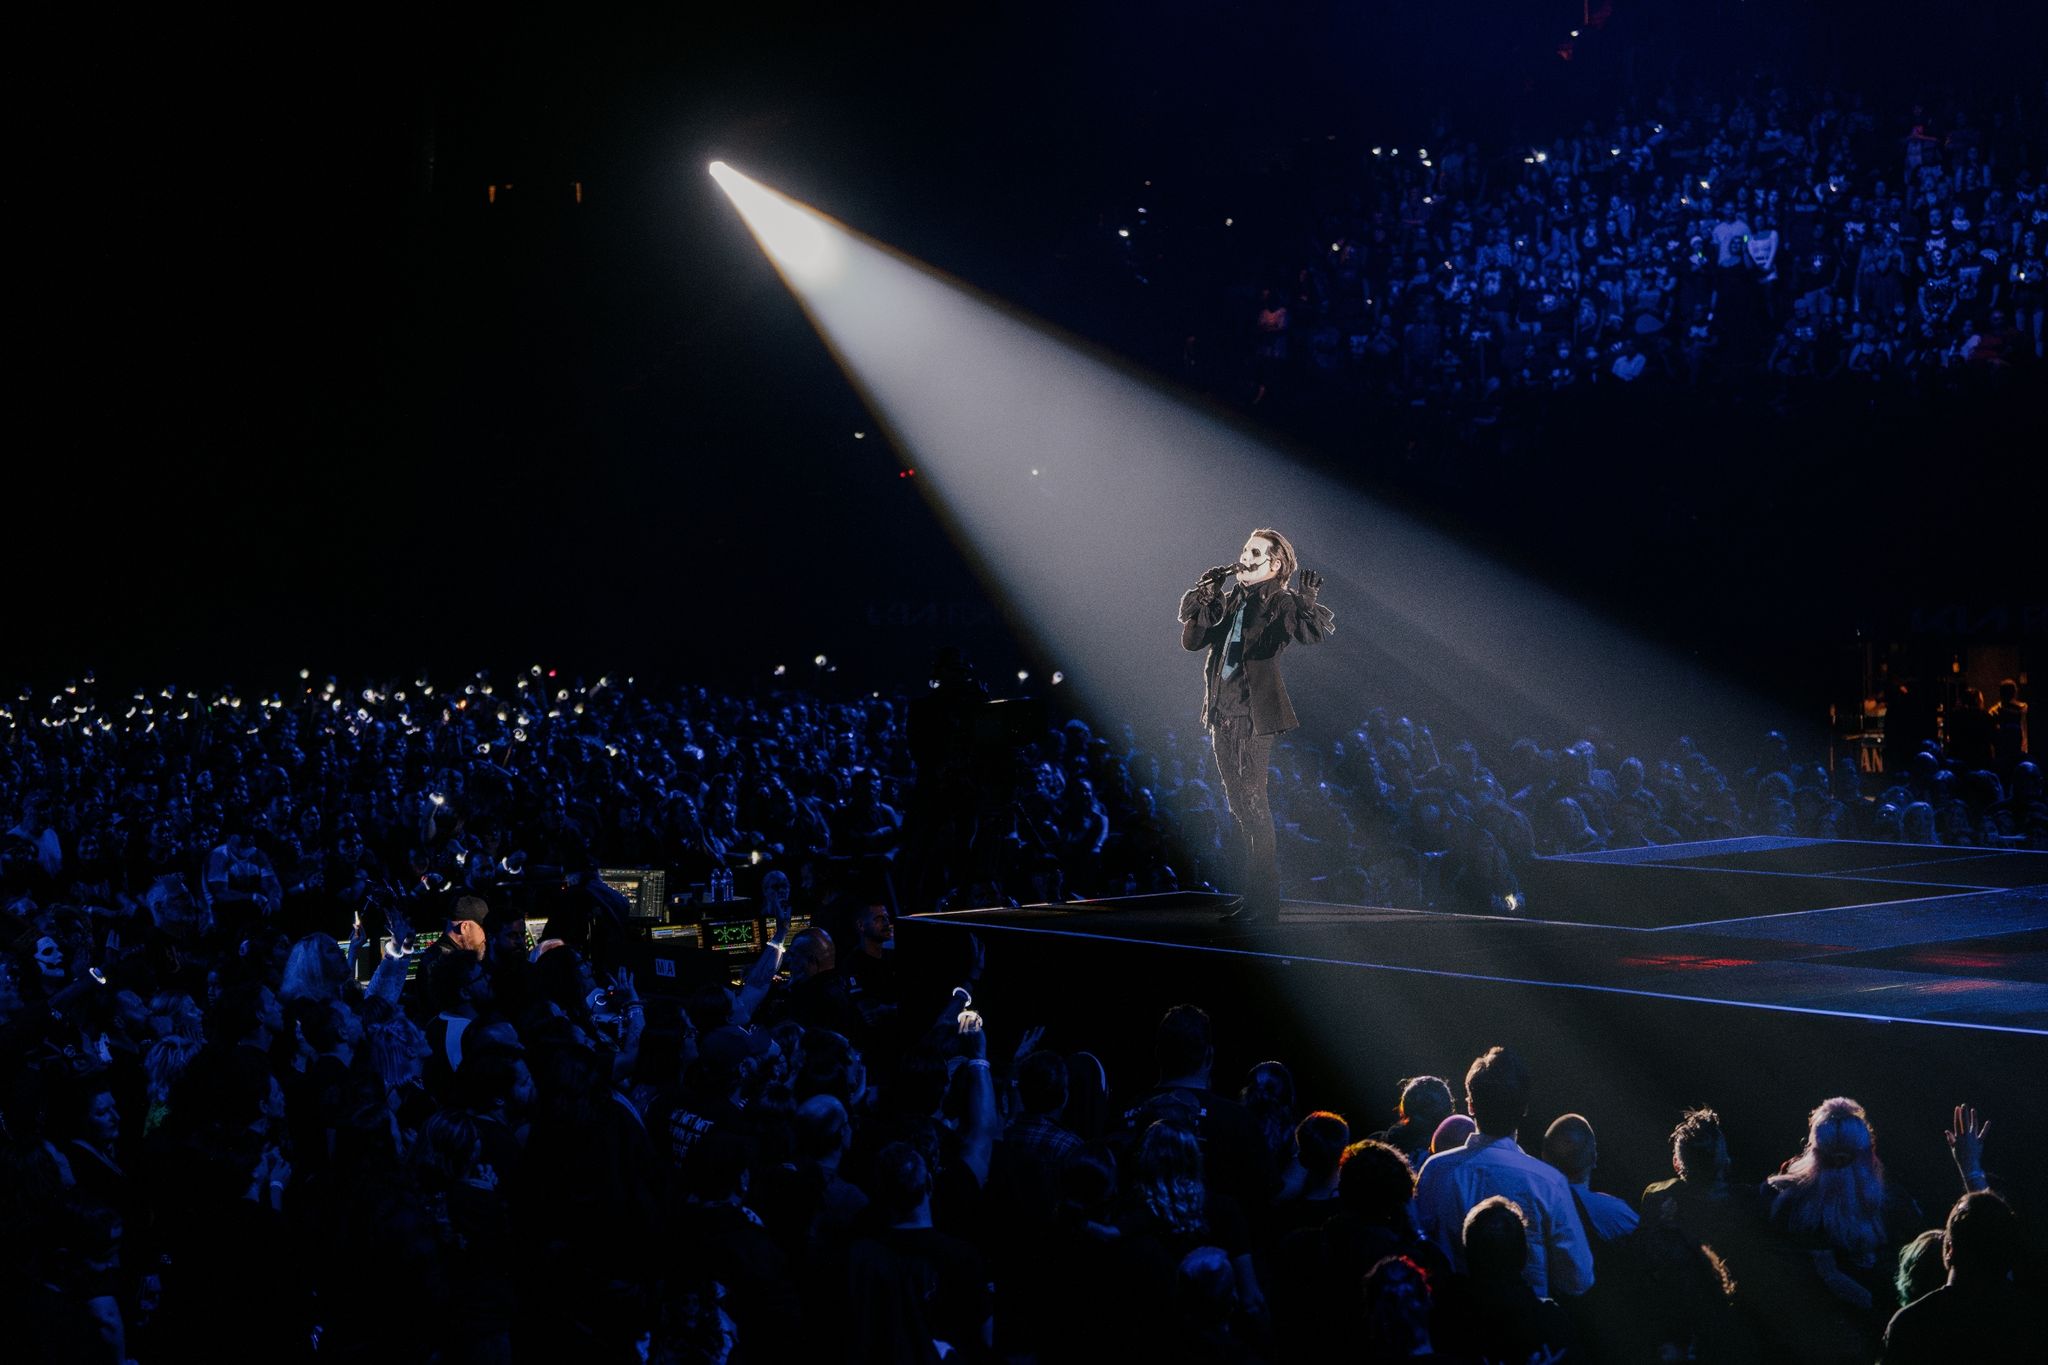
(645, 889)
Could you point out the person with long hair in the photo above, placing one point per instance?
(315, 970)
(1832, 1208)
(1170, 1208)
(1244, 615)
(1832, 1194)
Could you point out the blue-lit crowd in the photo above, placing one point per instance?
(1787, 237)
(320, 1039)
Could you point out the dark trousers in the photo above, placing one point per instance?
(1241, 759)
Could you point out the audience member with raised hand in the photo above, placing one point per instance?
(237, 1121)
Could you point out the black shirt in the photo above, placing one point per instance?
(1957, 1322)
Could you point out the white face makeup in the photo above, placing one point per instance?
(1256, 563)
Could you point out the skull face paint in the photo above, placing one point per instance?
(1257, 563)
(49, 957)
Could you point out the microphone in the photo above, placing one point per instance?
(1220, 572)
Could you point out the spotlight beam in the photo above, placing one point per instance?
(794, 237)
(1088, 497)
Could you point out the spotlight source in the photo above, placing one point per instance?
(792, 235)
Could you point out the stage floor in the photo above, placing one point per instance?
(1953, 937)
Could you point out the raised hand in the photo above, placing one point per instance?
(1966, 1144)
(622, 982)
(1311, 582)
(401, 928)
(1027, 1044)
(972, 1029)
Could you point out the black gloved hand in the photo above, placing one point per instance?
(1311, 584)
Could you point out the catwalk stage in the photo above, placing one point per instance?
(1898, 932)
(1759, 975)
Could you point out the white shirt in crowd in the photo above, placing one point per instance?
(1452, 1182)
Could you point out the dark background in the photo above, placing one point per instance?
(301, 394)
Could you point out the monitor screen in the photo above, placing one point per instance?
(732, 936)
(645, 889)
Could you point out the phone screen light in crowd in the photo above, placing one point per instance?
(781, 669)
(1575, 33)
(820, 661)
(1512, 901)
(1123, 232)
(1614, 151)
(1058, 678)
(1228, 221)
(860, 436)
(1376, 151)
(932, 683)
(1704, 185)
(1429, 199)
(755, 855)
(437, 798)
(612, 750)
(484, 747)
(1023, 675)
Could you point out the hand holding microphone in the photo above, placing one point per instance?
(1219, 573)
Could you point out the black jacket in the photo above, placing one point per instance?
(1278, 617)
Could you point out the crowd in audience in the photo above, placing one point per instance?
(249, 1112)
(1777, 233)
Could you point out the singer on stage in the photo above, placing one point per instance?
(1244, 614)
